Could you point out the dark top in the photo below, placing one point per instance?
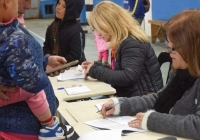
(136, 72)
(70, 36)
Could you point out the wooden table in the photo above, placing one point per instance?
(78, 112)
(97, 88)
(156, 32)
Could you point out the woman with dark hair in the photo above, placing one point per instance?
(65, 37)
(176, 107)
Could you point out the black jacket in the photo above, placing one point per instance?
(136, 73)
(70, 35)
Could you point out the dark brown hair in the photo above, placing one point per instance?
(54, 36)
(183, 31)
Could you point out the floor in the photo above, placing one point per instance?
(37, 28)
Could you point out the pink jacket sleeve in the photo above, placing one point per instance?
(101, 44)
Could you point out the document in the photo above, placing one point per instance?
(115, 123)
(77, 90)
(70, 74)
(99, 106)
(102, 135)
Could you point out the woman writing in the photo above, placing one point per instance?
(176, 108)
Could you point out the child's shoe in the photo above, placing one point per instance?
(56, 132)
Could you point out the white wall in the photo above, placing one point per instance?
(145, 24)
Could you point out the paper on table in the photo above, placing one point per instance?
(79, 68)
(102, 135)
(70, 74)
(115, 123)
(99, 106)
(123, 120)
(77, 90)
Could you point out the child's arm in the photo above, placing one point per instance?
(23, 71)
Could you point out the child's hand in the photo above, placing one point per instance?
(6, 89)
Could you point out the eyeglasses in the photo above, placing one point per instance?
(170, 50)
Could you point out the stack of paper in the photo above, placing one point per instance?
(77, 90)
(99, 106)
(115, 123)
(70, 74)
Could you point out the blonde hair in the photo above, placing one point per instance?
(111, 19)
(183, 31)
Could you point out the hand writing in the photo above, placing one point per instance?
(105, 112)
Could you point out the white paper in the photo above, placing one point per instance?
(99, 106)
(70, 74)
(79, 68)
(123, 120)
(102, 135)
(115, 123)
(77, 90)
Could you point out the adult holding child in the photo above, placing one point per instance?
(176, 108)
(17, 121)
(136, 69)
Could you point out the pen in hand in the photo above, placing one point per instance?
(113, 105)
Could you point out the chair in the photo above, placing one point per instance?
(164, 57)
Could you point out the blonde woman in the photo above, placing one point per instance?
(175, 108)
(136, 69)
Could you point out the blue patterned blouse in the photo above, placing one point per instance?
(22, 63)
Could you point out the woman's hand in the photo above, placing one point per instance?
(137, 123)
(4, 89)
(106, 113)
(87, 65)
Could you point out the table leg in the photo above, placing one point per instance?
(154, 30)
(156, 33)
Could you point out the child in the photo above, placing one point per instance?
(17, 68)
(65, 36)
(102, 47)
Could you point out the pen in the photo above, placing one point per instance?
(120, 102)
(60, 88)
